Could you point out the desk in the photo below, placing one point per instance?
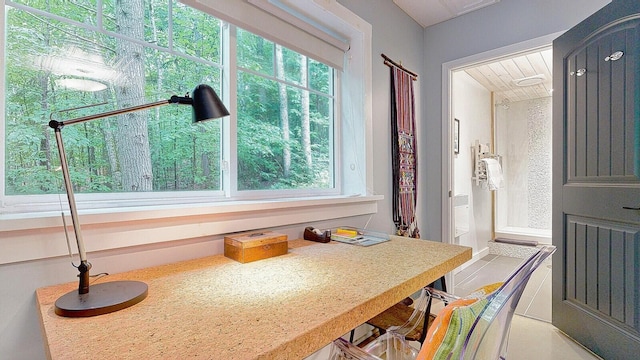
(286, 307)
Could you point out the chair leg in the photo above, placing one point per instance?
(425, 326)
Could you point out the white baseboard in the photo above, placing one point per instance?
(476, 256)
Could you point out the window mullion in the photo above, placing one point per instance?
(229, 125)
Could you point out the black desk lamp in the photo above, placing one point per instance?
(116, 295)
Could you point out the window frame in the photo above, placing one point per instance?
(229, 175)
(232, 191)
(30, 234)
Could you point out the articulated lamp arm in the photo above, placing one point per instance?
(206, 105)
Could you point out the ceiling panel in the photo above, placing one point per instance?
(501, 76)
(431, 12)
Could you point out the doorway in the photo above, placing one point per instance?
(523, 140)
(469, 208)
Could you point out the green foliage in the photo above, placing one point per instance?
(255, 53)
(196, 33)
(77, 10)
(42, 52)
(320, 77)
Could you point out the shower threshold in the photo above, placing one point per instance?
(540, 236)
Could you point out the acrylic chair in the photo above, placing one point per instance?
(343, 350)
(414, 323)
(398, 349)
(473, 327)
(393, 344)
(488, 336)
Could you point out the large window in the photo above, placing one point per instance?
(61, 56)
(285, 113)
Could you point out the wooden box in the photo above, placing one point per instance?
(247, 247)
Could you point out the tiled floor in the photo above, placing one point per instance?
(532, 335)
(536, 299)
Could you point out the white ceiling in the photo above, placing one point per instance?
(430, 12)
(503, 75)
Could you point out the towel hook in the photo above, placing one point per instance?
(578, 72)
(615, 56)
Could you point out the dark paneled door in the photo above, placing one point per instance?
(596, 186)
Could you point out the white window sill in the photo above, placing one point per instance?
(33, 236)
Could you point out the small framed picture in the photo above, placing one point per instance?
(456, 136)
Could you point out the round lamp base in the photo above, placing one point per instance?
(101, 299)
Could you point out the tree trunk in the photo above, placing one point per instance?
(110, 148)
(159, 126)
(284, 112)
(45, 144)
(132, 137)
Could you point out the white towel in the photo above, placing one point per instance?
(494, 174)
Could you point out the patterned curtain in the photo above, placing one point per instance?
(403, 153)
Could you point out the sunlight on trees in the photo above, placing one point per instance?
(285, 102)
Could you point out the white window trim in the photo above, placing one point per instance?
(295, 14)
(355, 168)
(284, 31)
(27, 237)
(33, 235)
(232, 191)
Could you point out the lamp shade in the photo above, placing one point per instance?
(206, 104)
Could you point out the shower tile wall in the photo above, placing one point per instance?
(524, 140)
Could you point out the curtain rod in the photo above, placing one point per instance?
(389, 62)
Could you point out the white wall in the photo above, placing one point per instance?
(506, 23)
(20, 335)
(472, 107)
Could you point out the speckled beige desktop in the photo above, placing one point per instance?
(284, 307)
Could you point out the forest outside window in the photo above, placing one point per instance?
(285, 126)
(63, 55)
